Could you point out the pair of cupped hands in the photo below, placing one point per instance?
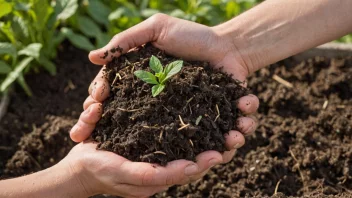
(102, 172)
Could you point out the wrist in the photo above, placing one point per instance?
(79, 178)
(236, 57)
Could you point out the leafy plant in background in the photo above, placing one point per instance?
(28, 37)
(161, 76)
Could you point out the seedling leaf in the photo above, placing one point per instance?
(172, 69)
(146, 77)
(155, 65)
(157, 89)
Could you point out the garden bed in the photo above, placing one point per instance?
(302, 145)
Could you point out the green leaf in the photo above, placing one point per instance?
(78, 40)
(64, 9)
(149, 12)
(6, 29)
(88, 26)
(6, 8)
(117, 13)
(172, 69)
(155, 64)
(4, 67)
(43, 11)
(32, 50)
(24, 85)
(99, 11)
(157, 89)
(146, 77)
(13, 75)
(48, 65)
(22, 6)
(102, 39)
(20, 28)
(8, 48)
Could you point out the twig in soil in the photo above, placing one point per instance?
(282, 81)
(190, 141)
(277, 187)
(6, 148)
(340, 106)
(183, 125)
(161, 136)
(128, 110)
(34, 160)
(325, 104)
(187, 103)
(198, 120)
(160, 152)
(150, 127)
(70, 86)
(166, 108)
(217, 110)
(299, 169)
(117, 75)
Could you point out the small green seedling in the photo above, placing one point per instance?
(162, 74)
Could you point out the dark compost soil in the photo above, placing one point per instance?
(144, 128)
(34, 132)
(299, 143)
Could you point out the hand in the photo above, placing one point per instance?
(184, 39)
(103, 172)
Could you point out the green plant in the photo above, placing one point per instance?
(161, 76)
(28, 37)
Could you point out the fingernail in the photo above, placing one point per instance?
(237, 145)
(191, 169)
(214, 162)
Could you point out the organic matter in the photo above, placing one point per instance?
(165, 128)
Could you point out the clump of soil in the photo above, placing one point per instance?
(32, 153)
(191, 116)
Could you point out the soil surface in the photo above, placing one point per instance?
(191, 116)
(299, 142)
(34, 132)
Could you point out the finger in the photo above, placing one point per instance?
(248, 104)
(99, 88)
(227, 156)
(234, 140)
(176, 172)
(205, 161)
(89, 101)
(246, 125)
(146, 31)
(127, 190)
(86, 123)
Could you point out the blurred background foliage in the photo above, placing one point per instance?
(32, 30)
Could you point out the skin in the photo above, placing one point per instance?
(271, 31)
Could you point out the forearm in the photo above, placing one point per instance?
(277, 29)
(57, 181)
